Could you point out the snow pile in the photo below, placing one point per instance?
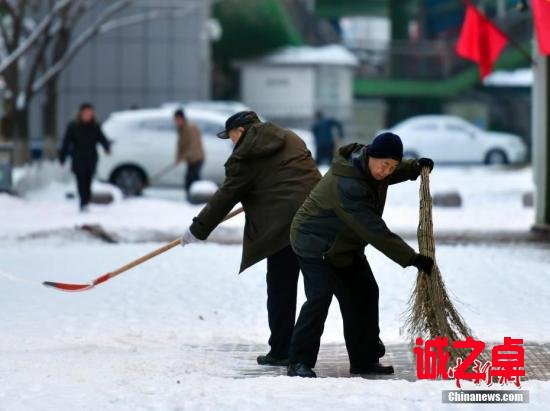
(203, 188)
(522, 77)
(333, 54)
(38, 175)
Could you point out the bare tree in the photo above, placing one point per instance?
(37, 42)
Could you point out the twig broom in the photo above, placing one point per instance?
(431, 312)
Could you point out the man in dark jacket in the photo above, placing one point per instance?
(270, 172)
(79, 142)
(329, 234)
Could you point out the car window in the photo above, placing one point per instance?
(458, 128)
(158, 124)
(425, 127)
(455, 127)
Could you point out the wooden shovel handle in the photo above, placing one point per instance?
(154, 253)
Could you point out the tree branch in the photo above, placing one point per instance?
(38, 59)
(17, 22)
(8, 40)
(5, 37)
(10, 7)
(78, 10)
(43, 26)
(101, 25)
(142, 17)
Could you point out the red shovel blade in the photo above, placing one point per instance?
(68, 287)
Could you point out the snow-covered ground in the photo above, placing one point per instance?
(141, 341)
(126, 344)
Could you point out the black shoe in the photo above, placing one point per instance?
(300, 370)
(269, 360)
(374, 368)
(381, 348)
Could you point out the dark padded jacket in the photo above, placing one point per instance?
(343, 213)
(270, 172)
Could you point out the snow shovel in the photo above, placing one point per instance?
(124, 268)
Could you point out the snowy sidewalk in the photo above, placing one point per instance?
(333, 361)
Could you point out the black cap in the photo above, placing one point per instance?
(386, 145)
(242, 118)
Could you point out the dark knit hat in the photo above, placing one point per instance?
(240, 119)
(386, 145)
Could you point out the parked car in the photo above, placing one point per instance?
(144, 144)
(225, 107)
(450, 139)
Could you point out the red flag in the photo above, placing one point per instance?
(480, 40)
(541, 13)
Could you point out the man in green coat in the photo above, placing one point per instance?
(270, 172)
(329, 234)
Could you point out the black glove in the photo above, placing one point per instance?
(423, 263)
(426, 162)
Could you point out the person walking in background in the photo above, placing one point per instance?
(270, 172)
(189, 148)
(80, 140)
(340, 217)
(328, 133)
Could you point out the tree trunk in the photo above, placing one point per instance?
(21, 136)
(50, 106)
(49, 121)
(7, 124)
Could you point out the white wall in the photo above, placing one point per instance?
(334, 91)
(279, 91)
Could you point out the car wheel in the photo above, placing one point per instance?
(130, 179)
(496, 157)
(411, 154)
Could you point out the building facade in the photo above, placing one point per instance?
(143, 64)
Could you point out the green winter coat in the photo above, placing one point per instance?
(343, 213)
(270, 172)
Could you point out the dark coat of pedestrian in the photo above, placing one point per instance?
(79, 142)
(270, 172)
(340, 217)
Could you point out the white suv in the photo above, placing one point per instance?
(144, 144)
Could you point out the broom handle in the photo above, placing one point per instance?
(159, 251)
(425, 227)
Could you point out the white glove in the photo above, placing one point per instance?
(188, 238)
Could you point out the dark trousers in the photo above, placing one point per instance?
(324, 155)
(84, 184)
(282, 286)
(357, 292)
(193, 174)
